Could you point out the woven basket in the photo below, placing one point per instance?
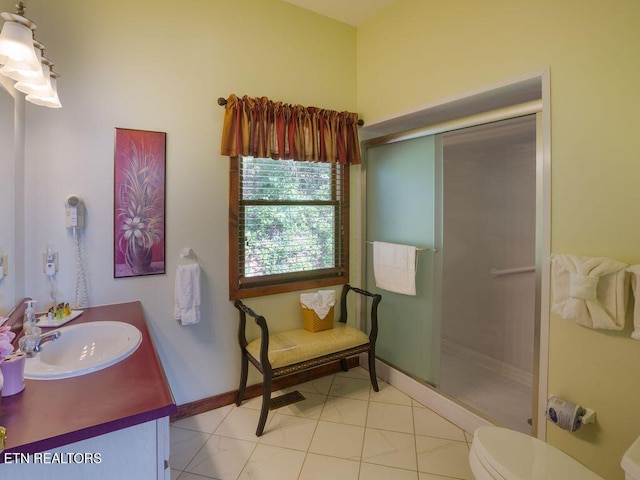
(313, 323)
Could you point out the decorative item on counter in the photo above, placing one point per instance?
(6, 348)
(6, 337)
(12, 369)
(29, 319)
(58, 315)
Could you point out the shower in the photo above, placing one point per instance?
(468, 197)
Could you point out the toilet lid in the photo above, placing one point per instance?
(516, 456)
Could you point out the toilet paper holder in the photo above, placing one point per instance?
(588, 417)
(568, 415)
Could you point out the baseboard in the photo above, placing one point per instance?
(228, 398)
(421, 392)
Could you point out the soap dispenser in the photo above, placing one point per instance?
(29, 319)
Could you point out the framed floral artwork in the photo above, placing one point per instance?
(139, 202)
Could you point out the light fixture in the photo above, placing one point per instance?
(12, 68)
(22, 59)
(35, 84)
(16, 44)
(49, 98)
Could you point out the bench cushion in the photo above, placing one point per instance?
(294, 346)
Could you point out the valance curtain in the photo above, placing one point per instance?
(259, 127)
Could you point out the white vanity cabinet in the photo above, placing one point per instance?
(138, 452)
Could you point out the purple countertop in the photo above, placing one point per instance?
(51, 413)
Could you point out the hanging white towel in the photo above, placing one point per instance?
(187, 294)
(592, 291)
(635, 285)
(394, 267)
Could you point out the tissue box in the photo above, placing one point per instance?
(313, 323)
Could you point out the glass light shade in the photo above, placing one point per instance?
(51, 101)
(16, 44)
(39, 85)
(12, 69)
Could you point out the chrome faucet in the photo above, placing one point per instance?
(32, 344)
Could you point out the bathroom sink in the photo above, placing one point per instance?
(82, 349)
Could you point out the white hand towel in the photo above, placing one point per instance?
(187, 294)
(592, 291)
(394, 267)
(635, 285)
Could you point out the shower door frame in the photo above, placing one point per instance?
(539, 108)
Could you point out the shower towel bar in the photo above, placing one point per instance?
(494, 272)
(417, 248)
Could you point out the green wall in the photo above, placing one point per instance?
(417, 52)
(161, 65)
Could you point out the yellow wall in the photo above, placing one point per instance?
(160, 65)
(417, 52)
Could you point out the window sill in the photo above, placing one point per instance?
(262, 290)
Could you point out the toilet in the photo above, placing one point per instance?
(631, 461)
(502, 454)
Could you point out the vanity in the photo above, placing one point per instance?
(111, 423)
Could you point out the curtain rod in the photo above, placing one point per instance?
(223, 101)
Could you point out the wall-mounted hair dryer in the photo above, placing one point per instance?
(74, 211)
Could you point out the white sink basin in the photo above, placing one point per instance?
(82, 349)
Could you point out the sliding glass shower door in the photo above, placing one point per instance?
(400, 208)
(488, 269)
(470, 330)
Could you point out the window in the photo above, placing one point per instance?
(288, 226)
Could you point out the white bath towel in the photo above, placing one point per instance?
(187, 294)
(592, 291)
(394, 267)
(634, 270)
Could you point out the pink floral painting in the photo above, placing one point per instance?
(139, 202)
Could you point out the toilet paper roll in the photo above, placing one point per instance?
(564, 414)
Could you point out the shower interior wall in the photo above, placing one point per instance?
(493, 171)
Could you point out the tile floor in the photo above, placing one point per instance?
(343, 430)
